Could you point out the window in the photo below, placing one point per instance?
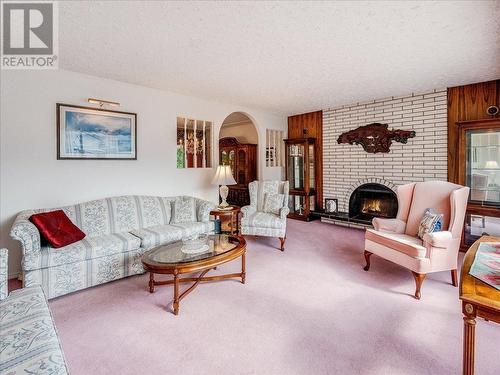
(194, 143)
(274, 148)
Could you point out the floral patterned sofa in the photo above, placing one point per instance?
(118, 231)
(28, 337)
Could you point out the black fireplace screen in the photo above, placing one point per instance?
(372, 200)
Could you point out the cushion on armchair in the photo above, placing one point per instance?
(273, 203)
(57, 228)
(404, 243)
(431, 222)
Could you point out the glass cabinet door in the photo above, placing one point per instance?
(227, 157)
(224, 157)
(312, 168)
(295, 154)
(483, 166)
(242, 162)
(301, 204)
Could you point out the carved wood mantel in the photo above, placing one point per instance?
(375, 137)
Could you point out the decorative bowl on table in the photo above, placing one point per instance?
(195, 244)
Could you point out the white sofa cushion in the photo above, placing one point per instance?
(88, 248)
(196, 227)
(404, 243)
(162, 234)
(157, 235)
(263, 220)
(184, 210)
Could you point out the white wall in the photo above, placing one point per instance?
(244, 133)
(31, 177)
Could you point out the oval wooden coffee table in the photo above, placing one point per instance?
(171, 260)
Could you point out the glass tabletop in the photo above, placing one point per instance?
(180, 252)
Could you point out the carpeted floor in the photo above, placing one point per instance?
(309, 310)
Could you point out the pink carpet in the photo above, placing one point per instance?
(309, 310)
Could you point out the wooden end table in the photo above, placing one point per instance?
(171, 260)
(478, 300)
(234, 217)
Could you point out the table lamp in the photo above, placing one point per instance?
(223, 177)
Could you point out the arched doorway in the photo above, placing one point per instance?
(238, 145)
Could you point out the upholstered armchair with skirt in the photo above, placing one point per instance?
(268, 209)
(397, 239)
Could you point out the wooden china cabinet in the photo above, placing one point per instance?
(478, 161)
(242, 157)
(300, 169)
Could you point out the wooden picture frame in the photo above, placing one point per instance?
(331, 205)
(87, 133)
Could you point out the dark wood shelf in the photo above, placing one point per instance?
(244, 166)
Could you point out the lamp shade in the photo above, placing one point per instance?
(491, 164)
(223, 176)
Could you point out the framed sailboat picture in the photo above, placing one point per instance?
(92, 133)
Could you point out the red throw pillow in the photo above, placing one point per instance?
(57, 228)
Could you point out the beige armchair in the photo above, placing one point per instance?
(396, 239)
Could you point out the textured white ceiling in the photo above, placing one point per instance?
(288, 57)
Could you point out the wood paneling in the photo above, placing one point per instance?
(310, 125)
(467, 103)
(306, 125)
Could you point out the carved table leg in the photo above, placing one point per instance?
(176, 294)
(469, 339)
(151, 282)
(367, 255)
(243, 273)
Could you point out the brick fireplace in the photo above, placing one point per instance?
(347, 167)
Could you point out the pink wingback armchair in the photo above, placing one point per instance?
(396, 239)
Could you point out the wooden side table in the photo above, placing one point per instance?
(234, 217)
(478, 300)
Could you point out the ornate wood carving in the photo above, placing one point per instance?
(375, 137)
(228, 141)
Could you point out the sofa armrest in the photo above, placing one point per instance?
(25, 232)
(4, 274)
(389, 225)
(438, 239)
(248, 210)
(284, 211)
(203, 209)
